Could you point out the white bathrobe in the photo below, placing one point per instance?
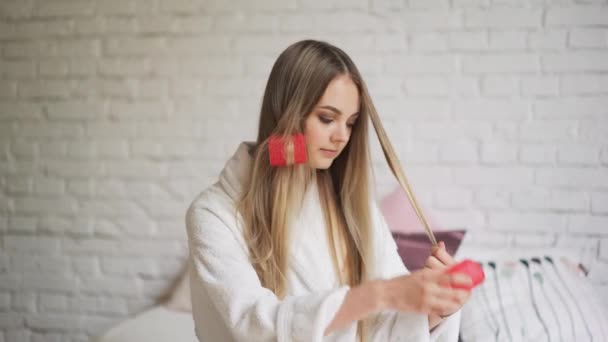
(229, 303)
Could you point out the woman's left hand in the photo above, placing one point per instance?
(440, 259)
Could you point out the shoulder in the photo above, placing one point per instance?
(212, 224)
(212, 198)
(212, 210)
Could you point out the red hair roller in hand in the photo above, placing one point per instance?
(284, 152)
(470, 268)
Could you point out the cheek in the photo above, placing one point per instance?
(313, 133)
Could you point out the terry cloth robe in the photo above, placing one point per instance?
(229, 302)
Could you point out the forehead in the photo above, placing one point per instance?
(343, 94)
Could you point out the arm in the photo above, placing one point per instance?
(360, 302)
(370, 298)
(394, 300)
(440, 329)
(221, 269)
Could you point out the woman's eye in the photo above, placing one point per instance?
(325, 120)
(350, 125)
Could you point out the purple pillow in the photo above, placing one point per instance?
(415, 248)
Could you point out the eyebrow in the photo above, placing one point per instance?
(337, 111)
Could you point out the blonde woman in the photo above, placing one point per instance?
(301, 252)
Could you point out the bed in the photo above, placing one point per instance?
(495, 308)
(158, 324)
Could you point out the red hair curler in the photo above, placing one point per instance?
(470, 268)
(285, 151)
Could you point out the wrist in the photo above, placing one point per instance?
(383, 294)
(375, 294)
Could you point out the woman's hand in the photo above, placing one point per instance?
(440, 260)
(425, 291)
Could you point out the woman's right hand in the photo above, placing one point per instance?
(425, 291)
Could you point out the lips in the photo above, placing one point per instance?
(329, 153)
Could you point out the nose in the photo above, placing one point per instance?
(341, 134)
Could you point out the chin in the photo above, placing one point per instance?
(321, 164)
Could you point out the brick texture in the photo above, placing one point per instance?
(115, 114)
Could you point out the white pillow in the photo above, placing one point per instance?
(157, 324)
(179, 296)
(529, 299)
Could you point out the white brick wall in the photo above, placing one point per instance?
(115, 114)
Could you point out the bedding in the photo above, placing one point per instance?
(532, 295)
(179, 295)
(501, 309)
(158, 324)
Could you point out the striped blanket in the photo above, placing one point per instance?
(534, 299)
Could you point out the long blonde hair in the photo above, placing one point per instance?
(272, 197)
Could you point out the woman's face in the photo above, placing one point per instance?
(328, 127)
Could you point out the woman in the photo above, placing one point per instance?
(302, 253)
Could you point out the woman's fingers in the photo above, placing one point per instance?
(440, 300)
(442, 254)
(461, 280)
(430, 291)
(448, 300)
(436, 279)
(437, 276)
(439, 257)
(434, 263)
(455, 295)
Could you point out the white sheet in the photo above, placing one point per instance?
(158, 324)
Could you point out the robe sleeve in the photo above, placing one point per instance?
(221, 267)
(399, 326)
